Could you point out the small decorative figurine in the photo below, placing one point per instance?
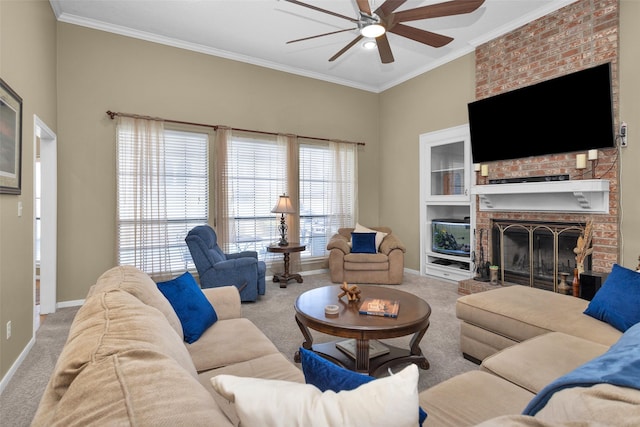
(352, 293)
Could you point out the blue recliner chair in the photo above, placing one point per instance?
(215, 268)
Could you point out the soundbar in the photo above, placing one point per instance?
(546, 178)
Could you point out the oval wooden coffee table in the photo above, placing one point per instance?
(413, 318)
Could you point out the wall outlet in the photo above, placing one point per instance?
(9, 329)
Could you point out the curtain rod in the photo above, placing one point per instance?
(113, 114)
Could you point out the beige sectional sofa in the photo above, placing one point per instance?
(525, 339)
(125, 363)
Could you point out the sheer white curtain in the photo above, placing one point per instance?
(143, 237)
(221, 221)
(343, 201)
(293, 191)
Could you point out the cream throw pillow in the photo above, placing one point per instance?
(389, 401)
(379, 234)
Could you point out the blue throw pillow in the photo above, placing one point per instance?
(363, 243)
(328, 376)
(192, 307)
(618, 301)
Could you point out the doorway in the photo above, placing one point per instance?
(45, 218)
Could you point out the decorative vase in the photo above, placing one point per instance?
(576, 282)
(563, 286)
(493, 270)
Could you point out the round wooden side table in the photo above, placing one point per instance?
(284, 278)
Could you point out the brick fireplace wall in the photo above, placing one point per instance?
(578, 36)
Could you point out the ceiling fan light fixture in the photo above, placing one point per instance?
(372, 30)
(370, 44)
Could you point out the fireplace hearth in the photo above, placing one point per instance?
(535, 253)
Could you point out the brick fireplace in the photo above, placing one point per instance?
(534, 253)
(580, 35)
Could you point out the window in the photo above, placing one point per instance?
(321, 211)
(256, 176)
(322, 183)
(163, 192)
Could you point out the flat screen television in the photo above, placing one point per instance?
(568, 113)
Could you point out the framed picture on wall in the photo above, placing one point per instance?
(10, 140)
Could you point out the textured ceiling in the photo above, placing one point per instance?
(256, 32)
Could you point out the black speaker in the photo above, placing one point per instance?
(590, 282)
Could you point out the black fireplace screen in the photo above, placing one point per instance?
(534, 253)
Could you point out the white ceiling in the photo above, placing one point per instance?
(256, 32)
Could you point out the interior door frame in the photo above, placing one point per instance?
(48, 216)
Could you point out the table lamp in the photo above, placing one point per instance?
(282, 207)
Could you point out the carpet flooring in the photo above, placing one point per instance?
(273, 313)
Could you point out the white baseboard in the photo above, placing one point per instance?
(310, 272)
(5, 380)
(73, 303)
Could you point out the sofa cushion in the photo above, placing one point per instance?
(133, 387)
(273, 367)
(619, 366)
(504, 312)
(112, 323)
(325, 375)
(384, 402)
(618, 299)
(536, 362)
(329, 376)
(270, 367)
(470, 398)
(366, 262)
(212, 350)
(129, 279)
(380, 235)
(195, 312)
(598, 405)
(363, 243)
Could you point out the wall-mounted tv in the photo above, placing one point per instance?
(569, 113)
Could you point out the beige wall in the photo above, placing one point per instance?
(28, 65)
(100, 71)
(629, 67)
(432, 101)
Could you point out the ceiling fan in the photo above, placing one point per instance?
(384, 19)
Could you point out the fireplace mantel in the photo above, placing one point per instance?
(583, 196)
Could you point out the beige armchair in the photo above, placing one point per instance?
(385, 267)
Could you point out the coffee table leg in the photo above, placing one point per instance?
(415, 347)
(362, 356)
(308, 340)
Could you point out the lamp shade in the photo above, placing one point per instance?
(283, 205)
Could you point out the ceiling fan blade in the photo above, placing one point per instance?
(344, 49)
(363, 5)
(321, 35)
(389, 6)
(299, 3)
(384, 49)
(422, 36)
(454, 7)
